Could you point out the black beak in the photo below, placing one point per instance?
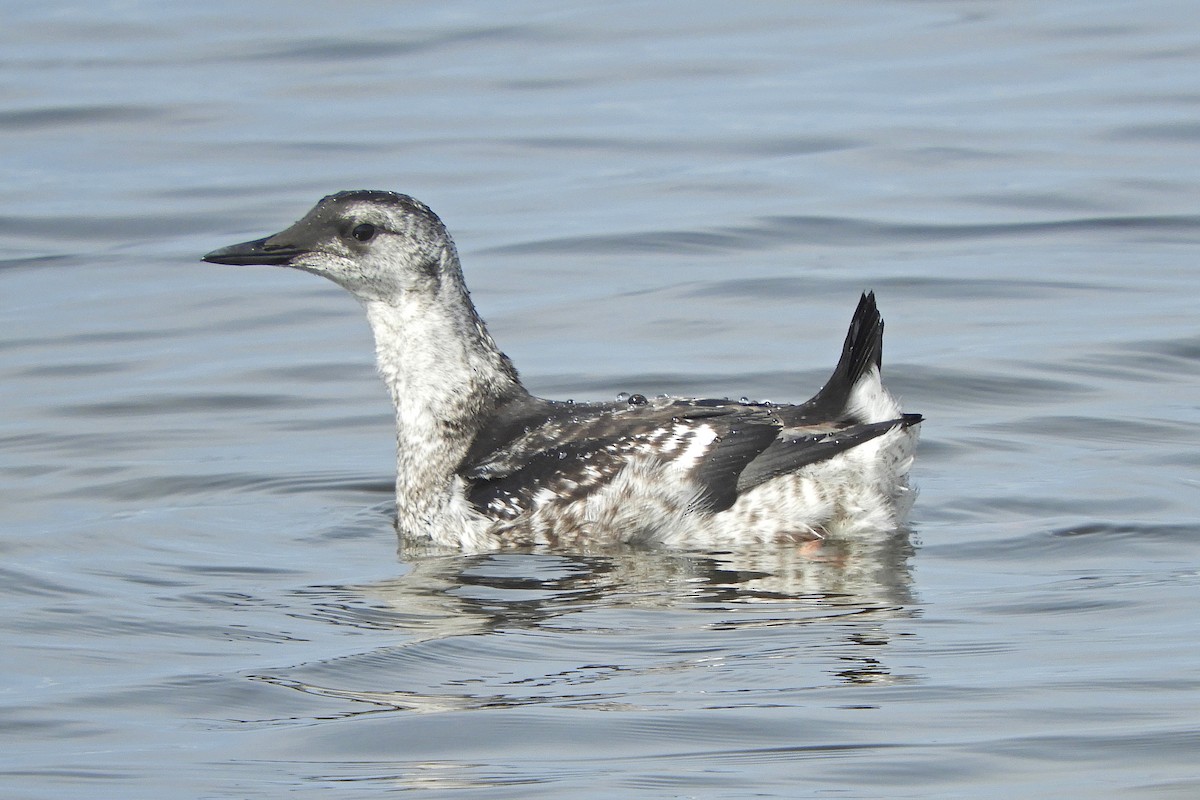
(260, 251)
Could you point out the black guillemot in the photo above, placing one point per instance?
(482, 463)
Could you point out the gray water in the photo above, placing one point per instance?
(203, 596)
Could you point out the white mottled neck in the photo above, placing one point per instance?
(445, 376)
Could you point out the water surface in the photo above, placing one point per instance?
(203, 593)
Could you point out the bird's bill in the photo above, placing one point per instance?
(259, 251)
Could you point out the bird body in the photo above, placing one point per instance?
(482, 463)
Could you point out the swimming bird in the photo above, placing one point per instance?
(482, 463)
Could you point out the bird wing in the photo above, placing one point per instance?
(799, 449)
(571, 450)
(572, 455)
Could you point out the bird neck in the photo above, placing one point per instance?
(446, 377)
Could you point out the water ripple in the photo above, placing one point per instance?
(74, 115)
(844, 231)
(183, 485)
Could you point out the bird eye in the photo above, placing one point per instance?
(364, 232)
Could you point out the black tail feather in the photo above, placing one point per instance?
(862, 350)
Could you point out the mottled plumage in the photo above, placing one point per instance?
(482, 463)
